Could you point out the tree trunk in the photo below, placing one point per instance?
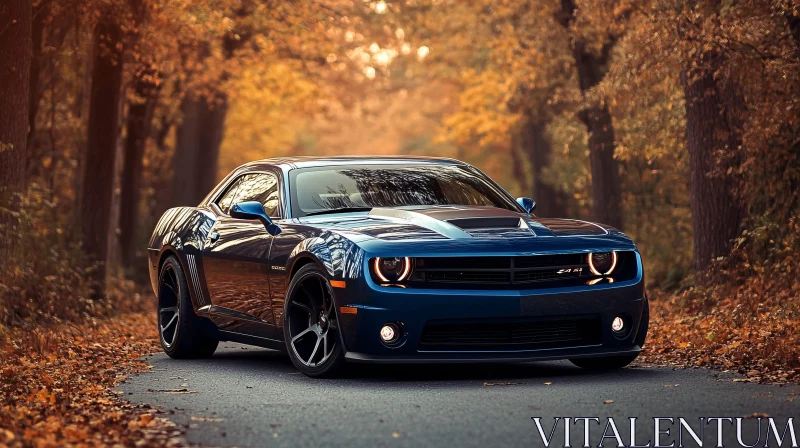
(15, 54)
(518, 151)
(102, 134)
(211, 137)
(793, 22)
(606, 194)
(198, 140)
(714, 108)
(550, 202)
(591, 68)
(57, 30)
(140, 116)
(187, 158)
(41, 11)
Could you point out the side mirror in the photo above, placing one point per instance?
(254, 210)
(527, 203)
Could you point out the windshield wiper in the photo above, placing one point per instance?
(340, 210)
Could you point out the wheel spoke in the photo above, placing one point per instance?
(170, 323)
(307, 293)
(323, 299)
(170, 288)
(173, 309)
(314, 352)
(304, 332)
(302, 306)
(174, 283)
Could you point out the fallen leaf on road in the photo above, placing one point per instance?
(500, 383)
(206, 419)
(757, 415)
(172, 391)
(608, 401)
(144, 419)
(395, 435)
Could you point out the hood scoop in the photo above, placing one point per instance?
(500, 222)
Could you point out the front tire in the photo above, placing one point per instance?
(618, 362)
(310, 324)
(183, 334)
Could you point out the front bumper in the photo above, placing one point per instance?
(377, 305)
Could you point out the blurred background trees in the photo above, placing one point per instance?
(676, 121)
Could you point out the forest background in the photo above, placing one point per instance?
(676, 121)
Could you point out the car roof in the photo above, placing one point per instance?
(288, 163)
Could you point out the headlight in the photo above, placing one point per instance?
(392, 270)
(602, 263)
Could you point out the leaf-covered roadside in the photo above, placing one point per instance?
(56, 385)
(751, 329)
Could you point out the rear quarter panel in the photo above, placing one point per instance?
(182, 231)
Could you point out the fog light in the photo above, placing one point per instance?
(389, 333)
(618, 325)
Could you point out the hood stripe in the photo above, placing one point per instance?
(422, 220)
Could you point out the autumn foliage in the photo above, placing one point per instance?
(57, 382)
(677, 121)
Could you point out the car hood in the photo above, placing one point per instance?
(452, 223)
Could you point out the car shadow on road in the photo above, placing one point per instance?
(270, 361)
(495, 373)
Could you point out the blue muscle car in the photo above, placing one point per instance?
(391, 260)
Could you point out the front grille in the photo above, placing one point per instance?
(504, 335)
(541, 261)
(536, 271)
(469, 276)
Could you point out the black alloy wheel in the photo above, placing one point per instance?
(183, 334)
(310, 325)
(169, 312)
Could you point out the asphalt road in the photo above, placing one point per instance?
(247, 396)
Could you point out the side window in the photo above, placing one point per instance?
(226, 200)
(260, 187)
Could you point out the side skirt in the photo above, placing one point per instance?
(251, 340)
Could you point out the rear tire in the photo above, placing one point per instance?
(183, 334)
(618, 362)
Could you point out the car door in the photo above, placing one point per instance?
(236, 257)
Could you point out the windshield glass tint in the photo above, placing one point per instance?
(318, 189)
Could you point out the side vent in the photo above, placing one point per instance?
(195, 280)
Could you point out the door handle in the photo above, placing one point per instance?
(213, 237)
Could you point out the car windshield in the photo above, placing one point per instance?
(353, 187)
